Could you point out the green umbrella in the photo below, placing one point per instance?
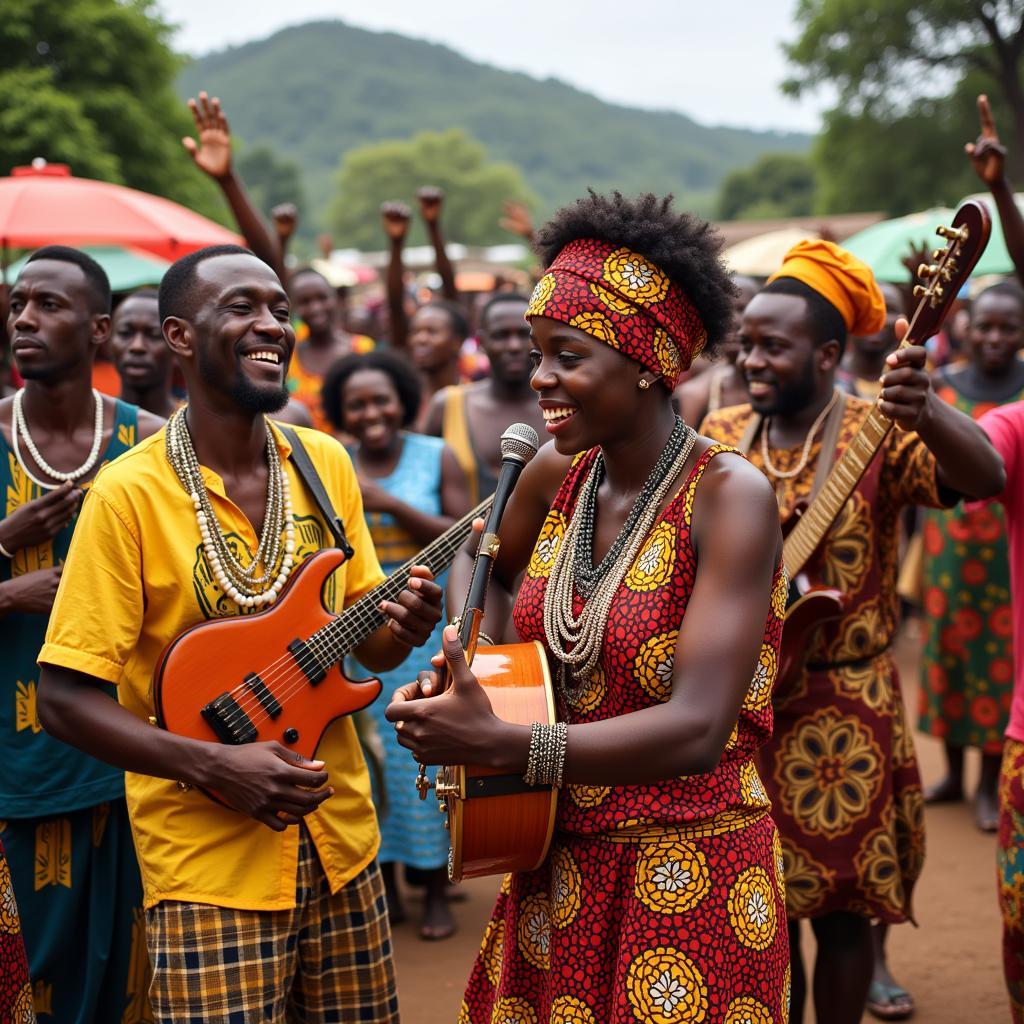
(127, 268)
(883, 246)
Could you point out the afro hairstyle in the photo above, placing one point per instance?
(399, 370)
(685, 247)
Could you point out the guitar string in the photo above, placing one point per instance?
(365, 612)
(344, 632)
(366, 618)
(875, 419)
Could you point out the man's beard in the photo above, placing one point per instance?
(789, 398)
(249, 397)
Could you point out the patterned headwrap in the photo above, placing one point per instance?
(621, 298)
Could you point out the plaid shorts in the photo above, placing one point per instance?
(328, 960)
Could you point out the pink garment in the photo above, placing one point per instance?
(1005, 428)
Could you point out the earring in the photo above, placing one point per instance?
(643, 384)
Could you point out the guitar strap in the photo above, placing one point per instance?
(311, 478)
(829, 441)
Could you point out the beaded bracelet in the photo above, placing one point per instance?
(546, 761)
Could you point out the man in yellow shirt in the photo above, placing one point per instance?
(275, 907)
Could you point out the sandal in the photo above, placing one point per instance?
(889, 1002)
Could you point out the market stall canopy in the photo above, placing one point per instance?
(884, 246)
(126, 268)
(762, 255)
(44, 204)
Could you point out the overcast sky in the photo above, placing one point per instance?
(720, 61)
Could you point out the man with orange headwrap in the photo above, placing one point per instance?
(840, 768)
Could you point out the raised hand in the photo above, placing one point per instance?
(916, 255)
(431, 200)
(396, 218)
(987, 154)
(286, 219)
(40, 520)
(212, 153)
(517, 219)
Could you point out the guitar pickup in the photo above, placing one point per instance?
(228, 721)
(310, 664)
(267, 700)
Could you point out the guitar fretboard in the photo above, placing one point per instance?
(335, 640)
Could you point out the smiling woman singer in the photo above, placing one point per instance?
(654, 580)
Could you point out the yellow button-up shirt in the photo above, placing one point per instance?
(135, 577)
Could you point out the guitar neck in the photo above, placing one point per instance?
(358, 622)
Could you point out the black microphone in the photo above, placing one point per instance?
(519, 444)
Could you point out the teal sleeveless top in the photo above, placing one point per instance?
(42, 776)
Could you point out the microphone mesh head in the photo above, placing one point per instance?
(520, 441)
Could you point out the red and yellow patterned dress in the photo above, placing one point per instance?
(660, 903)
(840, 766)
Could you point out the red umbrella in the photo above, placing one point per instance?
(43, 204)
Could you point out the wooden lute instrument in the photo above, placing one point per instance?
(496, 822)
(811, 605)
(276, 674)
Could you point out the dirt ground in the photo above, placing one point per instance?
(951, 962)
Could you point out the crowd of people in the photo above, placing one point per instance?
(706, 807)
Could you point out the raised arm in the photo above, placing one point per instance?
(988, 158)
(285, 217)
(212, 154)
(396, 226)
(431, 200)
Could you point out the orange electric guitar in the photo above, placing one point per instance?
(806, 530)
(276, 674)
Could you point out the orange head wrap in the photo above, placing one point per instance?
(621, 298)
(842, 279)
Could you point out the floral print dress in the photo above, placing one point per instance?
(660, 903)
(840, 767)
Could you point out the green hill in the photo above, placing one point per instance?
(319, 89)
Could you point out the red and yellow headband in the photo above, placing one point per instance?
(621, 298)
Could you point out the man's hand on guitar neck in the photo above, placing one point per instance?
(411, 619)
(906, 386)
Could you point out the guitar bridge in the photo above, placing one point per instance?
(229, 722)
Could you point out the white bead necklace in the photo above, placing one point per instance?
(236, 581)
(19, 426)
(808, 443)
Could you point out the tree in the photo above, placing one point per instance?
(778, 185)
(271, 180)
(89, 83)
(474, 186)
(905, 75)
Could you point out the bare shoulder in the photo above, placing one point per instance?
(735, 495)
(148, 423)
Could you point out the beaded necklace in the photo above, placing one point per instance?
(808, 442)
(238, 582)
(576, 640)
(19, 426)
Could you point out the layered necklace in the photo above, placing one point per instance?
(576, 640)
(808, 444)
(276, 556)
(19, 427)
